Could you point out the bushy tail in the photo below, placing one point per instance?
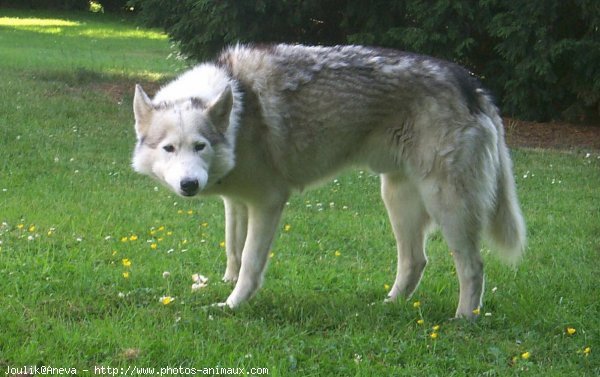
(506, 228)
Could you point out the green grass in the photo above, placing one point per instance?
(71, 210)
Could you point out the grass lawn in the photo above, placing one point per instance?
(85, 244)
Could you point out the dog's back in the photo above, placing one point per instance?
(327, 107)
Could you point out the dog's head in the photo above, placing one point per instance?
(183, 143)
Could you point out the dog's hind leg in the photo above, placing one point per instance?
(236, 227)
(459, 217)
(469, 267)
(263, 219)
(409, 221)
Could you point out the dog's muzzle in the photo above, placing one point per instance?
(189, 186)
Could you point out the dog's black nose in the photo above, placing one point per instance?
(189, 186)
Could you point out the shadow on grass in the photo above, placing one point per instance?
(118, 87)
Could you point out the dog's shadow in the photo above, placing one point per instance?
(324, 311)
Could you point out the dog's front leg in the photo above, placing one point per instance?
(262, 224)
(236, 227)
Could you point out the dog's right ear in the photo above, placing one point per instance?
(142, 109)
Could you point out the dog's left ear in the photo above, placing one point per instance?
(142, 109)
(220, 109)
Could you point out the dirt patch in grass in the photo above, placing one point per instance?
(563, 136)
(122, 90)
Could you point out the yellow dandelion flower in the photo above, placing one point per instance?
(20, 226)
(124, 239)
(114, 252)
(126, 274)
(436, 328)
(169, 233)
(386, 287)
(571, 330)
(338, 253)
(133, 237)
(180, 212)
(126, 262)
(204, 224)
(271, 255)
(190, 212)
(161, 228)
(159, 239)
(166, 300)
(153, 246)
(287, 227)
(476, 311)
(50, 232)
(433, 335)
(420, 322)
(417, 304)
(587, 351)
(525, 355)
(222, 244)
(32, 228)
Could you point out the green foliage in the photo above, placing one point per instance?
(204, 27)
(548, 53)
(540, 58)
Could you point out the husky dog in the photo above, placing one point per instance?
(260, 123)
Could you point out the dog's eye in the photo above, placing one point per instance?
(169, 148)
(199, 147)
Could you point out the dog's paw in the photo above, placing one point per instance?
(218, 307)
(229, 280)
(230, 277)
